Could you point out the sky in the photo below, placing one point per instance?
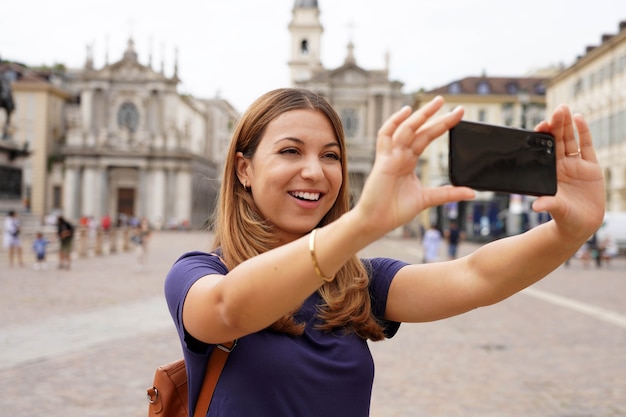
(239, 49)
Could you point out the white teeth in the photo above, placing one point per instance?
(306, 196)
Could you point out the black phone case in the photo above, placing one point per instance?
(502, 159)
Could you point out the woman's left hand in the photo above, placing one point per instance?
(393, 194)
(579, 204)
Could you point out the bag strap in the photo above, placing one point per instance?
(214, 369)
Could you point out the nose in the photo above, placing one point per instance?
(312, 168)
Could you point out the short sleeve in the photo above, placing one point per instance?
(189, 268)
(382, 271)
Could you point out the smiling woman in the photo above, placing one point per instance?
(284, 278)
(295, 173)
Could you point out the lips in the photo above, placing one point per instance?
(307, 196)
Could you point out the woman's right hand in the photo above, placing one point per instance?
(393, 194)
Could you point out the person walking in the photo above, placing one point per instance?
(283, 276)
(431, 244)
(141, 238)
(453, 236)
(11, 237)
(105, 223)
(65, 233)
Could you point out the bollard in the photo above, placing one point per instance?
(98, 247)
(113, 240)
(82, 242)
(125, 240)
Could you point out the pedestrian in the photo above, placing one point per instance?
(65, 233)
(592, 251)
(106, 223)
(40, 245)
(453, 236)
(431, 244)
(283, 275)
(610, 249)
(141, 238)
(12, 230)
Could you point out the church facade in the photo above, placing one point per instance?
(135, 147)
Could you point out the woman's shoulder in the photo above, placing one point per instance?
(385, 268)
(190, 267)
(198, 256)
(200, 260)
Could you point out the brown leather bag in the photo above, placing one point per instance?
(168, 396)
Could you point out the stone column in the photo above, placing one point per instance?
(156, 196)
(142, 192)
(171, 195)
(90, 193)
(369, 127)
(103, 193)
(182, 209)
(86, 106)
(71, 184)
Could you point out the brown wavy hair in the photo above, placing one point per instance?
(241, 232)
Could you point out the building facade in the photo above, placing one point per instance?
(595, 85)
(135, 147)
(34, 128)
(120, 139)
(364, 99)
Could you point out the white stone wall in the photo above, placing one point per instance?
(595, 85)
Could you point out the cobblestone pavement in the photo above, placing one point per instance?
(85, 342)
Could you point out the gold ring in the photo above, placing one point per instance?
(573, 153)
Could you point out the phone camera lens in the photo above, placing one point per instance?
(550, 143)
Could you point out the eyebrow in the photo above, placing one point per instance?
(301, 142)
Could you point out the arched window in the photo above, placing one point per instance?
(304, 47)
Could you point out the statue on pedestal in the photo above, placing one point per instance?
(7, 103)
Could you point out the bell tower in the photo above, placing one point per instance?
(306, 35)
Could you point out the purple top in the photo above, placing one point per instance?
(273, 374)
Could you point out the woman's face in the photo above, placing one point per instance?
(295, 174)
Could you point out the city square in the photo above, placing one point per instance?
(86, 342)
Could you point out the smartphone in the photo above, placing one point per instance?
(502, 159)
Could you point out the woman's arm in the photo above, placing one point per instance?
(506, 266)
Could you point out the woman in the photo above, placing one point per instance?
(285, 279)
(141, 237)
(12, 239)
(65, 233)
(431, 244)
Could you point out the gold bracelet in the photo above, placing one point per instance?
(314, 258)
